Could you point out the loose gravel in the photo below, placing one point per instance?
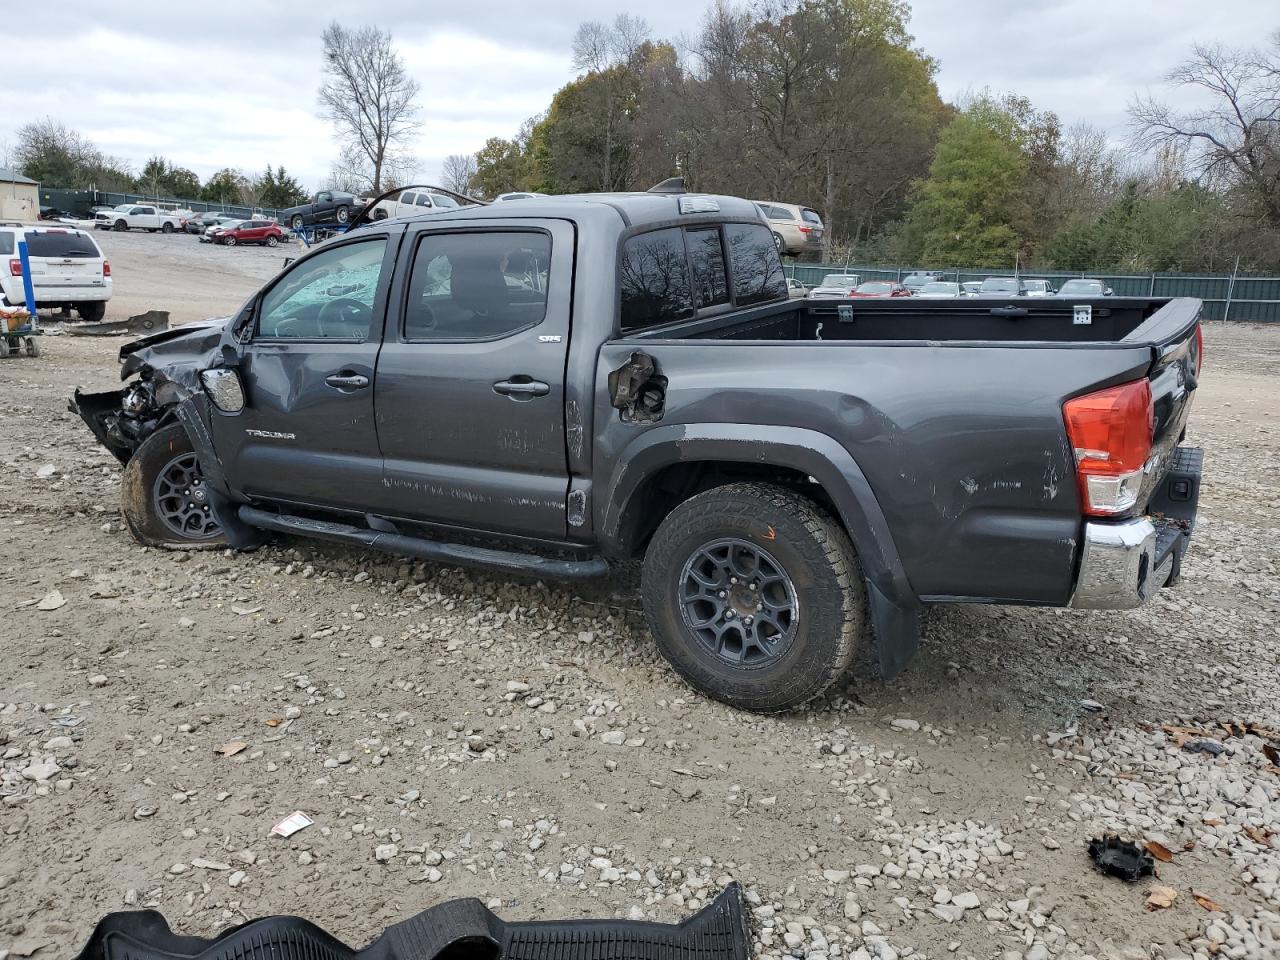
(458, 734)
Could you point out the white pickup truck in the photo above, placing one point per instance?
(133, 216)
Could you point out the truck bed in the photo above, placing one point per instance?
(962, 442)
(1130, 321)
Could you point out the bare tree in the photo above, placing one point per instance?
(370, 98)
(1235, 136)
(457, 172)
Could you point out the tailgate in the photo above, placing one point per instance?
(1175, 339)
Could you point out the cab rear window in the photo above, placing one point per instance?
(53, 244)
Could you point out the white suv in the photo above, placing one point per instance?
(68, 269)
(412, 202)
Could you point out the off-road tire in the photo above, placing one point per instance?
(92, 311)
(137, 491)
(811, 549)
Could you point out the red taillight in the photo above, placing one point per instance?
(15, 267)
(1111, 432)
(1199, 347)
(806, 229)
(106, 268)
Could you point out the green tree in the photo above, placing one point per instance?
(225, 186)
(964, 211)
(57, 156)
(506, 165)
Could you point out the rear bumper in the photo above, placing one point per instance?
(1123, 563)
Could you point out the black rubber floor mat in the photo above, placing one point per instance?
(456, 930)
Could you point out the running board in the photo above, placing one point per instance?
(457, 554)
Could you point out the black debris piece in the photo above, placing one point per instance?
(1121, 858)
(1211, 747)
(455, 930)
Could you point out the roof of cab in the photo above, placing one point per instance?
(634, 209)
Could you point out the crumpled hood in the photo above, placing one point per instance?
(192, 342)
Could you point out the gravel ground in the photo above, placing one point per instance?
(458, 734)
(215, 280)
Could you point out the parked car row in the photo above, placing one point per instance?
(931, 287)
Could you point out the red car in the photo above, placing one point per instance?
(880, 288)
(250, 231)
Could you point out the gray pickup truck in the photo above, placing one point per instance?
(543, 386)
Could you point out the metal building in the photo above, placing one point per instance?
(19, 196)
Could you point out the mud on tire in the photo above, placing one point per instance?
(803, 585)
(159, 508)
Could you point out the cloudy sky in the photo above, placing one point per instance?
(234, 83)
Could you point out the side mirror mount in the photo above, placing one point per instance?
(224, 388)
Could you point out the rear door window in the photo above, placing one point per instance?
(756, 267)
(42, 243)
(477, 286)
(706, 257)
(424, 200)
(6, 243)
(655, 280)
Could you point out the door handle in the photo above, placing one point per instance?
(347, 381)
(521, 388)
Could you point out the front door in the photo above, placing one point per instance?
(307, 434)
(470, 390)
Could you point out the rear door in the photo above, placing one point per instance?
(63, 258)
(470, 385)
(307, 433)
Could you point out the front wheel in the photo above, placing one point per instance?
(230, 241)
(122, 225)
(272, 241)
(755, 596)
(163, 495)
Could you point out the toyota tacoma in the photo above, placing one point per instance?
(547, 386)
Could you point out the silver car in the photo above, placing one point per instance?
(1039, 288)
(835, 285)
(940, 290)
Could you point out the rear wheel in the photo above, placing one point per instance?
(93, 311)
(342, 214)
(163, 495)
(755, 596)
(297, 223)
(167, 228)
